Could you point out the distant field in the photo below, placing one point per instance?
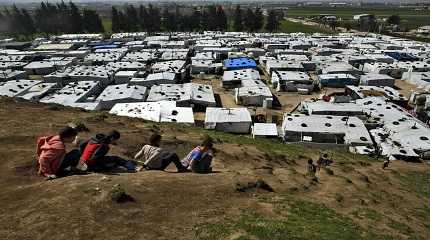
(291, 27)
(107, 24)
(410, 17)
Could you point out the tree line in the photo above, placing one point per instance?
(212, 18)
(154, 19)
(51, 19)
(64, 17)
(254, 21)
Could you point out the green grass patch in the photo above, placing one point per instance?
(416, 182)
(304, 220)
(107, 25)
(402, 228)
(423, 214)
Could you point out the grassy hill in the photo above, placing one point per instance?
(355, 200)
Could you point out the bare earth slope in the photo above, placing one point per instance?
(356, 200)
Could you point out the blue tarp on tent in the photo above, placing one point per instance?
(399, 56)
(108, 46)
(239, 63)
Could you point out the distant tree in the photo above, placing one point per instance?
(212, 23)
(221, 19)
(272, 22)
(28, 23)
(156, 15)
(132, 18)
(143, 18)
(7, 15)
(181, 20)
(333, 24)
(368, 23)
(204, 23)
(394, 19)
(122, 21)
(195, 20)
(259, 19)
(116, 25)
(372, 23)
(40, 17)
(3, 24)
(154, 19)
(168, 20)
(238, 19)
(250, 20)
(63, 17)
(348, 27)
(75, 18)
(92, 22)
(16, 21)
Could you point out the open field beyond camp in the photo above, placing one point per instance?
(411, 17)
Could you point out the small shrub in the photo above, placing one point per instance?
(251, 185)
(54, 107)
(79, 125)
(97, 116)
(119, 195)
(348, 180)
(339, 198)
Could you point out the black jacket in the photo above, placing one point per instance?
(102, 151)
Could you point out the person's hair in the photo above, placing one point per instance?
(325, 155)
(113, 135)
(67, 132)
(207, 143)
(155, 137)
(310, 161)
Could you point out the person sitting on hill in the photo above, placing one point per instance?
(94, 154)
(51, 153)
(155, 158)
(385, 164)
(199, 160)
(311, 168)
(323, 161)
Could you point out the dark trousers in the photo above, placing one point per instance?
(71, 159)
(167, 159)
(110, 162)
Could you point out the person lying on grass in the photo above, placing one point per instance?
(199, 160)
(51, 153)
(94, 154)
(156, 158)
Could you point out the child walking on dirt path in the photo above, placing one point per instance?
(311, 168)
(155, 158)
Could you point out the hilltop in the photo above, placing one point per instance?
(355, 200)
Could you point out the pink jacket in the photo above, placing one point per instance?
(50, 151)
